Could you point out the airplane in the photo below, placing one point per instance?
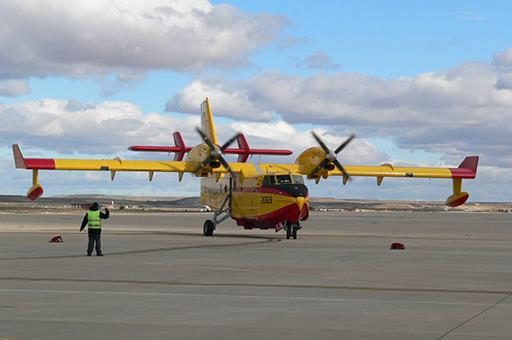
(257, 196)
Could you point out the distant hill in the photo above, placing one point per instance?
(161, 203)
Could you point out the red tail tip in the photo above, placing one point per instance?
(470, 163)
(18, 157)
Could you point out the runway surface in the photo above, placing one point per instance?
(161, 279)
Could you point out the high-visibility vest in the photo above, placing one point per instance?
(94, 219)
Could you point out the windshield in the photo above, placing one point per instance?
(271, 180)
(298, 179)
(283, 179)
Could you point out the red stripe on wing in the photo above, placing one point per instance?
(40, 163)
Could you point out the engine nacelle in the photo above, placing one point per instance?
(198, 153)
(310, 158)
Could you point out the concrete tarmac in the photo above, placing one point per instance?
(161, 279)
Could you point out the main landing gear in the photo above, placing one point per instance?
(291, 230)
(208, 228)
(219, 216)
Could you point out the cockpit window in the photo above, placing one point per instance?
(273, 180)
(269, 181)
(298, 179)
(284, 179)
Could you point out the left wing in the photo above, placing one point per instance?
(112, 165)
(98, 165)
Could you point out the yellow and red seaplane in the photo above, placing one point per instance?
(262, 196)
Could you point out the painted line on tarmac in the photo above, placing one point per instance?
(151, 250)
(304, 235)
(474, 316)
(406, 237)
(243, 296)
(260, 285)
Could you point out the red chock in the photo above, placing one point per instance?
(56, 239)
(397, 246)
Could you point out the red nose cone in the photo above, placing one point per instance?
(397, 246)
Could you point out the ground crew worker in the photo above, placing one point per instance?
(93, 219)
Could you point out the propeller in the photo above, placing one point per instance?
(330, 155)
(215, 152)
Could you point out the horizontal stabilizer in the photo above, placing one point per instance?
(243, 151)
(180, 143)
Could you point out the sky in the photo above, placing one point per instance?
(419, 83)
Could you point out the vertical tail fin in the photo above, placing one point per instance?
(244, 145)
(207, 124)
(179, 142)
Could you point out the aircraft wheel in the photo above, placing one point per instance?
(294, 232)
(208, 228)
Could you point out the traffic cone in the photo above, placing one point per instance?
(397, 246)
(56, 239)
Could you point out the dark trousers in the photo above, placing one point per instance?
(94, 237)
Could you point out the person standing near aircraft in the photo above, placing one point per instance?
(93, 219)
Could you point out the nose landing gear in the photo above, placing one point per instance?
(291, 230)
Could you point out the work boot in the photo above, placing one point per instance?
(100, 254)
(88, 254)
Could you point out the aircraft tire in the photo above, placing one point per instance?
(208, 228)
(288, 231)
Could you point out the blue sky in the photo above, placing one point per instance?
(422, 83)
(391, 39)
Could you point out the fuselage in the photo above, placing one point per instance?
(264, 201)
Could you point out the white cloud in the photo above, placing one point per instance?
(71, 126)
(232, 102)
(280, 134)
(456, 112)
(13, 88)
(318, 60)
(52, 37)
(469, 15)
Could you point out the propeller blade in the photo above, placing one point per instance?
(341, 168)
(324, 147)
(205, 138)
(216, 153)
(344, 144)
(226, 165)
(229, 142)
